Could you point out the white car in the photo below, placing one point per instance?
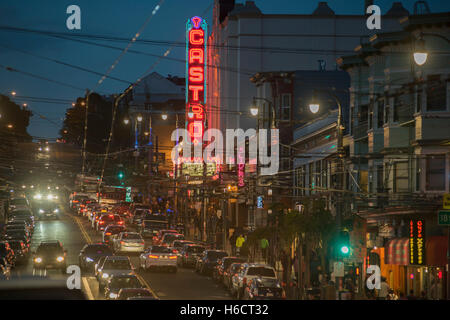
(128, 242)
(250, 271)
(158, 257)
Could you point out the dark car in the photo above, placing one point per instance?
(117, 282)
(150, 228)
(21, 214)
(264, 289)
(7, 252)
(229, 272)
(17, 235)
(222, 265)
(50, 255)
(209, 260)
(48, 210)
(127, 293)
(20, 223)
(190, 253)
(20, 219)
(20, 249)
(171, 237)
(91, 253)
(17, 228)
(110, 231)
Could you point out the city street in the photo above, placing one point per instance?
(74, 232)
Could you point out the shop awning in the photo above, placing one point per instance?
(436, 251)
(397, 251)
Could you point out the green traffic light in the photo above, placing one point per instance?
(345, 249)
(120, 175)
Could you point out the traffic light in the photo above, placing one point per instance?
(343, 244)
(120, 175)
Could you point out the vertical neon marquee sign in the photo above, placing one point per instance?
(196, 37)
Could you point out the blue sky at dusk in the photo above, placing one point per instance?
(118, 19)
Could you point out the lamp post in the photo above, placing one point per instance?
(314, 106)
(420, 54)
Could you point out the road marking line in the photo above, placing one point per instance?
(88, 288)
(82, 229)
(147, 285)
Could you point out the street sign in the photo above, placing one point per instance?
(444, 218)
(446, 201)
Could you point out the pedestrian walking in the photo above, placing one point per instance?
(264, 248)
(239, 242)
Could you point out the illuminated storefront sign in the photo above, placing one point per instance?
(417, 242)
(196, 37)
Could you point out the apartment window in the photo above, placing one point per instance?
(387, 110)
(436, 94)
(396, 108)
(380, 113)
(303, 179)
(325, 171)
(418, 171)
(401, 176)
(364, 180)
(419, 101)
(380, 179)
(318, 175)
(311, 177)
(435, 178)
(286, 106)
(370, 115)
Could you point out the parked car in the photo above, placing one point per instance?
(17, 203)
(222, 265)
(7, 253)
(208, 261)
(158, 257)
(249, 272)
(113, 265)
(128, 242)
(91, 254)
(50, 255)
(111, 231)
(120, 281)
(264, 289)
(21, 250)
(232, 270)
(5, 269)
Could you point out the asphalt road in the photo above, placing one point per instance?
(75, 231)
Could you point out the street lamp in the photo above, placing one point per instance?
(13, 93)
(420, 54)
(164, 116)
(139, 118)
(10, 126)
(254, 111)
(126, 121)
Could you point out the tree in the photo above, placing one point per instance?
(16, 116)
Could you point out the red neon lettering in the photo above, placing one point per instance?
(195, 89)
(196, 129)
(198, 111)
(196, 37)
(196, 55)
(196, 74)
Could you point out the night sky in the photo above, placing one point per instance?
(118, 19)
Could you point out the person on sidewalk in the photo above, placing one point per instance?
(264, 248)
(239, 242)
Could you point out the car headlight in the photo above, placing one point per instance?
(56, 210)
(49, 197)
(38, 260)
(105, 275)
(89, 259)
(38, 196)
(112, 295)
(41, 211)
(60, 259)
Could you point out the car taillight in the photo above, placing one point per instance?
(122, 242)
(172, 257)
(153, 256)
(101, 222)
(107, 233)
(175, 251)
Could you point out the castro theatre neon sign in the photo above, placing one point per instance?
(196, 33)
